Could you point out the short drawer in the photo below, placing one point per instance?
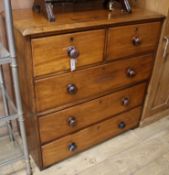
(74, 143)
(132, 40)
(58, 124)
(50, 54)
(71, 88)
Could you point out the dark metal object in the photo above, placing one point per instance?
(46, 7)
(122, 125)
(126, 6)
(123, 3)
(131, 72)
(72, 147)
(72, 89)
(72, 122)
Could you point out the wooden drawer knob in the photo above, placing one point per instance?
(72, 122)
(72, 147)
(131, 72)
(125, 101)
(72, 52)
(72, 89)
(136, 41)
(122, 125)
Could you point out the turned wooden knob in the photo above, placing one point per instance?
(136, 41)
(72, 89)
(72, 147)
(125, 101)
(122, 125)
(72, 52)
(72, 121)
(131, 72)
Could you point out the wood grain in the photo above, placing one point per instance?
(158, 94)
(156, 6)
(120, 40)
(57, 150)
(46, 93)
(27, 94)
(50, 53)
(56, 124)
(30, 23)
(91, 83)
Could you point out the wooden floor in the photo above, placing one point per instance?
(143, 151)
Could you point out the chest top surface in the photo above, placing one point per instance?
(29, 23)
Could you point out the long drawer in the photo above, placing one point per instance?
(71, 88)
(74, 143)
(50, 54)
(132, 40)
(58, 124)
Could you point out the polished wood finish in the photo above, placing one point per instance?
(47, 59)
(27, 91)
(100, 99)
(56, 124)
(58, 150)
(52, 92)
(30, 23)
(132, 40)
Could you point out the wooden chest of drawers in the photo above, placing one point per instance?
(69, 111)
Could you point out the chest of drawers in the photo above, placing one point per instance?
(68, 111)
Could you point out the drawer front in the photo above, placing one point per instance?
(74, 143)
(50, 54)
(72, 88)
(56, 125)
(132, 40)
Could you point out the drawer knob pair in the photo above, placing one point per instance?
(72, 122)
(122, 125)
(72, 147)
(136, 41)
(72, 89)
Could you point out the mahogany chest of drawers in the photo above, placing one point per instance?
(69, 111)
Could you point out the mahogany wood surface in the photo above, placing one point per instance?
(120, 40)
(58, 150)
(50, 92)
(29, 23)
(92, 82)
(27, 93)
(56, 124)
(50, 53)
